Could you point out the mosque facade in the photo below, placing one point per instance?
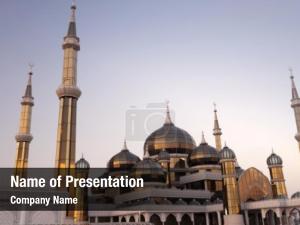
(185, 183)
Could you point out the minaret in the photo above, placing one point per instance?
(295, 104)
(23, 137)
(68, 94)
(217, 130)
(231, 193)
(277, 178)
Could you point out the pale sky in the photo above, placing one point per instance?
(192, 53)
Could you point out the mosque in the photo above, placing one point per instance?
(185, 183)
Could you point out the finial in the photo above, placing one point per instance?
(291, 73)
(225, 144)
(294, 89)
(168, 117)
(203, 141)
(31, 65)
(272, 150)
(125, 145)
(28, 90)
(215, 107)
(73, 6)
(82, 155)
(30, 73)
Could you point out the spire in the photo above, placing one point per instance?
(217, 132)
(125, 145)
(294, 89)
(72, 23)
(203, 141)
(217, 128)
(28, 90)
(168, 117)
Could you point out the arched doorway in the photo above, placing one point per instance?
(155, 219)
(294, 217)
(123, 220)
(213, 218)
(199, 219)
(142, 218)
(131, 219)
(284, 218)
(255, 217)
(271, 218)
(186, 220)
(171, 220)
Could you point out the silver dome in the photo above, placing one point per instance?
(170, 138)
(226, 153)
(149, 170)
(82, 164)
(123, 160)
(274, 160)
(203, 154)
(296, 195)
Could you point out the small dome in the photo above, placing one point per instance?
(170, 138)
(165, 201)
(82, 164)
(218, 200)
(296, 195)
(239, 170)
(274, 160)
(149, 170)
(203, 154)
(180, 202)
(226, 153)
(194, 202)
(149, 201)
(123, 160)
(164, 156)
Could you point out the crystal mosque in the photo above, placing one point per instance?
(184, 183)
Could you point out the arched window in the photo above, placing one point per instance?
(155, 219)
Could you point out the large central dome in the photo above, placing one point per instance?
(169, 138)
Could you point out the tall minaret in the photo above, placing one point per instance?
(217, 130)
(68, 94)
(295, 104)
(23, 137)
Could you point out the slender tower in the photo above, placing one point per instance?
(231, 193)
(68, 94)
(277, 178)
(217, 130)
(295, 104)
(23, 137)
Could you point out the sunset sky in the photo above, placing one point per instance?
(133, 53)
